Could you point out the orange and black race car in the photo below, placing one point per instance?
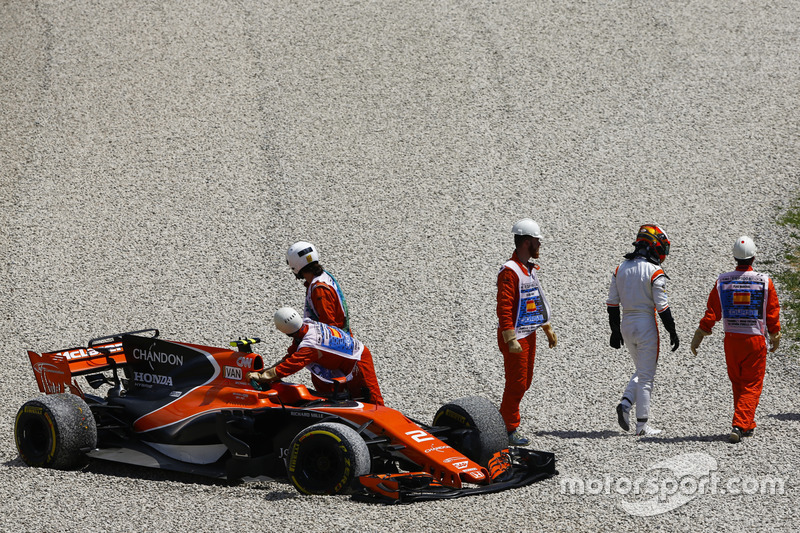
(190, 408)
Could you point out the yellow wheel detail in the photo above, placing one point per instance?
(327, 458)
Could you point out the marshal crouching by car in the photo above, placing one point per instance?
(139, 399)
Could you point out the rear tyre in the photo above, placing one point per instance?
(486, 431)
(327, 458)
(55, 431)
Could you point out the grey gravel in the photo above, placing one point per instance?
(157, 158)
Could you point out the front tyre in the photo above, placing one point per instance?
(479, 430)
(55, 431)
(327, 458)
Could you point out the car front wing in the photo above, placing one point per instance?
(511, 468)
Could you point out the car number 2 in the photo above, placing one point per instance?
(419, 435)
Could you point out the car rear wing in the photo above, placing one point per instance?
(55, 371)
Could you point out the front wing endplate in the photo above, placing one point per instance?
(527, 467)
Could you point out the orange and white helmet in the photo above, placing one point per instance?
(656, 238)
(301, 254)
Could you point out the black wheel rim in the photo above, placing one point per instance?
(321, 465)
(464, 437)
(34, 438)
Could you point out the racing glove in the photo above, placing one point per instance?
(552, 339)
(616, 341)
(510, 337)
(669, 325)
(697, 339)
(774, 340)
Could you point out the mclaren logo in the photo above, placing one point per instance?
(80, 353)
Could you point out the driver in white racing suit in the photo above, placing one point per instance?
(638, 285)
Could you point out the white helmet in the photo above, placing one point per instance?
(287, 320)
(744, 248)
(527, 226)
(301, 254)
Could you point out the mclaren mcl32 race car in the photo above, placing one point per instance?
(190, 408)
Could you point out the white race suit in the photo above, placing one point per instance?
(639, 286)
